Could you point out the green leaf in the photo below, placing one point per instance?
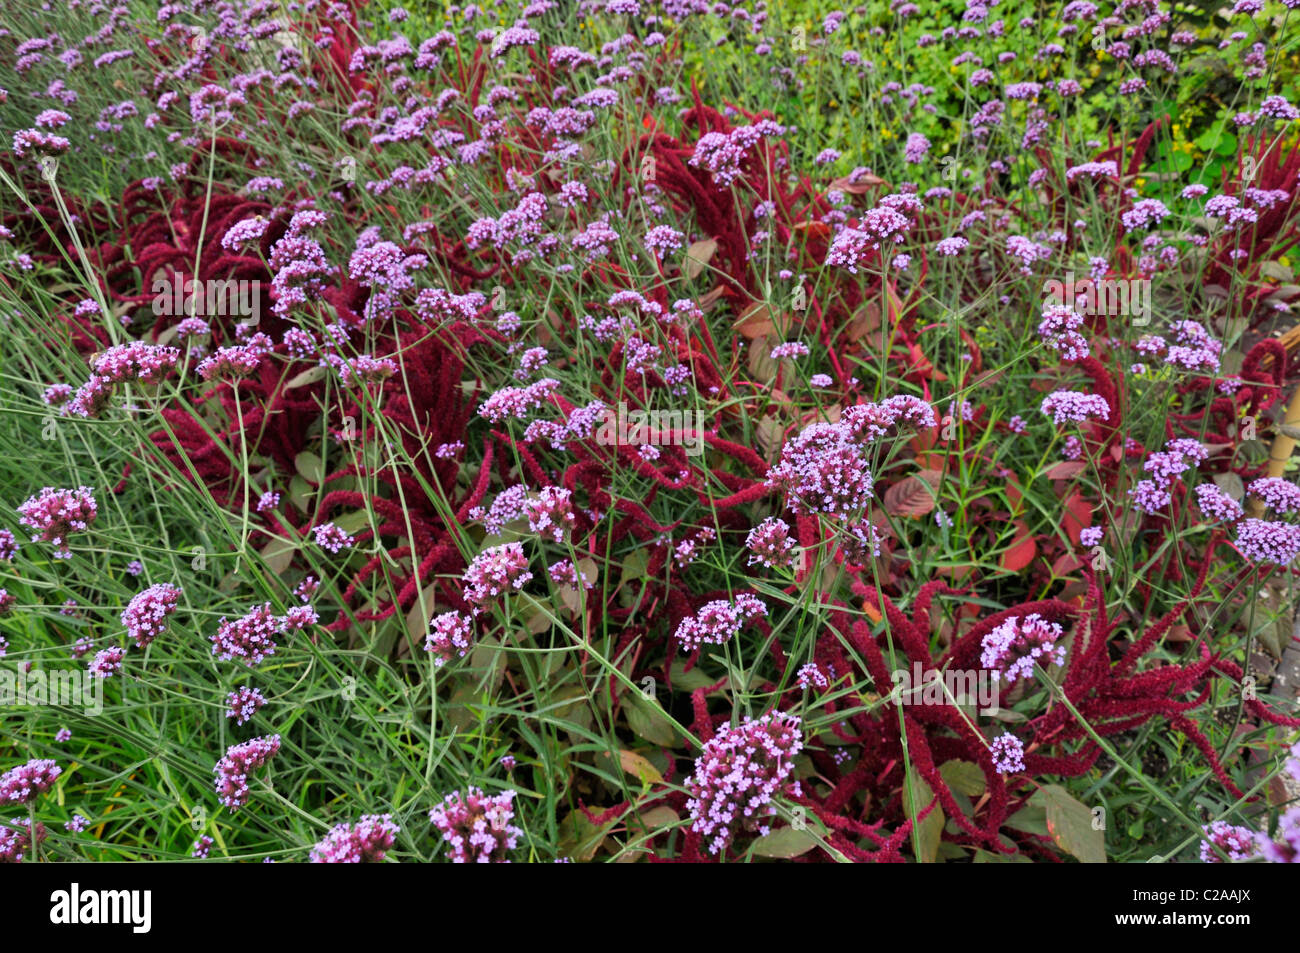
(310, 467)
(963, 776)
(300, 492)
(1030, 820)
(787, 842)
(689, 681)
(988, 857)
(1069, 823)
(580, 838)
(647, 720)
(278, 554)
(1226, 145)
(351, 522)
(916, 798)
(309, 376)
(640, 768)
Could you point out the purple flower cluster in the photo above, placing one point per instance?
(496, 570)
(298, 618)
(551, 512)
(810, 676)
(1288, 851)
(721, 154)
(135, 361)
(230, 363)
(331, 538)
(107, 662)
(301, 270)
(1144, 214)
(363, 368)
(243, 703)
(15, 838)
(449, 633)
(852, 246)
(718, 621)
(738, 773)
(789, 349)
(250, 638)
(365, 842)
(823, 470)
(1279, 495)
(517, 402)
(25, 782)
(770, 544)
(1217, 505)
(56, 513)
(1013, 647)
(477, 828)
(240, 761)
(1064, 406)
(1237, 842)
(1267, 541)
(1059, 330)
(145, 616)
(1008, 753)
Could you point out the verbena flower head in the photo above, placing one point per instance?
(135, 361)
(451, 633)
(365, 842)
(718, 621)
(146, 615)
(240, 761)
(1237, 842)
(15, 839)
(27, 781)
(1059, 330)
(1008, 753)
(56, 513)
(770, 544)
(298, 618)
(8, 546)
(332, 538)
(1217, 505)
(1010, 650)
(1288, 850)
(107, 662)
(476, 827)
(738, 773)
(1064, 406)
(250, 638)
(1267, 541)
(823, 470)
(243, 703)
(551, 512)
(810, 676)
(1281, 496)
(496, 570)
(230, 363)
